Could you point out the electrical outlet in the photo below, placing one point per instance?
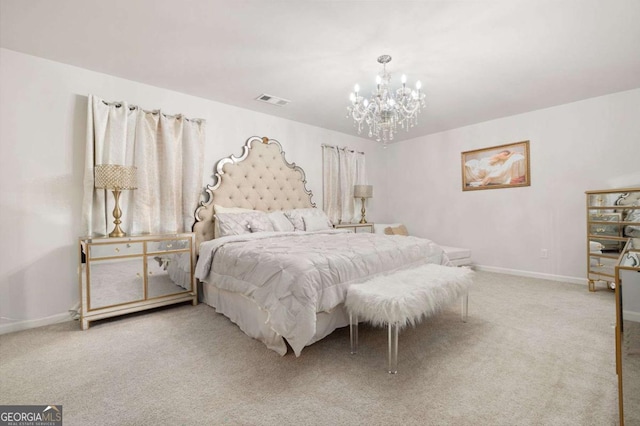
(544, 254)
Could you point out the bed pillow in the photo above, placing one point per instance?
(280, 222)
(396, 230)
(261, 223)
(378, 228)
(221, 209)
(236, 223)
(296, 215)
(315, 223)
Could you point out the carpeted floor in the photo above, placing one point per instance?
(533, 352)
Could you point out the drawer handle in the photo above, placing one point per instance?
(138, 274)
(117, 249)
(600, 229)
(169, 245)
(150, 272)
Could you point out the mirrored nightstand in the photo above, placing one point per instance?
(355, 227)
(129, 274)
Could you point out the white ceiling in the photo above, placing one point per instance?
(477, 60)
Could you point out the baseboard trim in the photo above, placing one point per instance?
(529, 274)
(631, 316)
(35, 323)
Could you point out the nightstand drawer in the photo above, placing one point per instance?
(162, 246)
(356, 227)
(99, 251)
(604, 229)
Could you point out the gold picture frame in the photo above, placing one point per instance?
(502, 166)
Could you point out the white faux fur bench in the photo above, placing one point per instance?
(404, 298)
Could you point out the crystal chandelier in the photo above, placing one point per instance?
(386, 110)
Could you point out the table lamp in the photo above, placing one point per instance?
(362, 192)
(115, 178)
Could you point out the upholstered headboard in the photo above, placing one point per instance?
(260, 179)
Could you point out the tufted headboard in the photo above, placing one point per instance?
(260, 179)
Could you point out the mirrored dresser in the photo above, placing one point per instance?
(134, 273)
(628, 332)
(613, 216)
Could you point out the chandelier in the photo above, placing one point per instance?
(387, 109)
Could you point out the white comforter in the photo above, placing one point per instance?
(294, 275)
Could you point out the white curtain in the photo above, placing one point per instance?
(168, 153)
(342, 169)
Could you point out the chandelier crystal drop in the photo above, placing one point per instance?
(387, 109)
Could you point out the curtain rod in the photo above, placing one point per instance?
(324, 145)
(154, 112)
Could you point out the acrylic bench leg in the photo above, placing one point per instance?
(353, 332)
(393, 348)
(465, 306)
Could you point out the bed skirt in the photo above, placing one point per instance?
(253, 320)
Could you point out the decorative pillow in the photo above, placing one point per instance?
(221, 209)
(261, 223)
(378, 228)
(315, 223)
(280, 222)
(396, 230)
(295, 216)
(237, 223)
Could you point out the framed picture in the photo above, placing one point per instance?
(502, 166)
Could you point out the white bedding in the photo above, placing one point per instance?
(295, 275)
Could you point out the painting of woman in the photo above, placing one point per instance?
(496, 167)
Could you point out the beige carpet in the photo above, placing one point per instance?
(533, 352)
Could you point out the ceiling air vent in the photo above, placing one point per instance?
(273, 100)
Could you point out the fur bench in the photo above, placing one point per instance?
(404, 298)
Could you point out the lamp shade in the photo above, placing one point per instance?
(114, 176)
(363, 191)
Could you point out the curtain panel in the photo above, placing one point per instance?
(342, 169)
(168, 153)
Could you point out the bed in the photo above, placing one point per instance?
(284, 282)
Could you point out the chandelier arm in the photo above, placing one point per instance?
(410, 111)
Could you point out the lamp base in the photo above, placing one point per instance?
(362, 212)
(117, 232)
(117, 214)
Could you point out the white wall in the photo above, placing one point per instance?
(43, 113)
(592, 144)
